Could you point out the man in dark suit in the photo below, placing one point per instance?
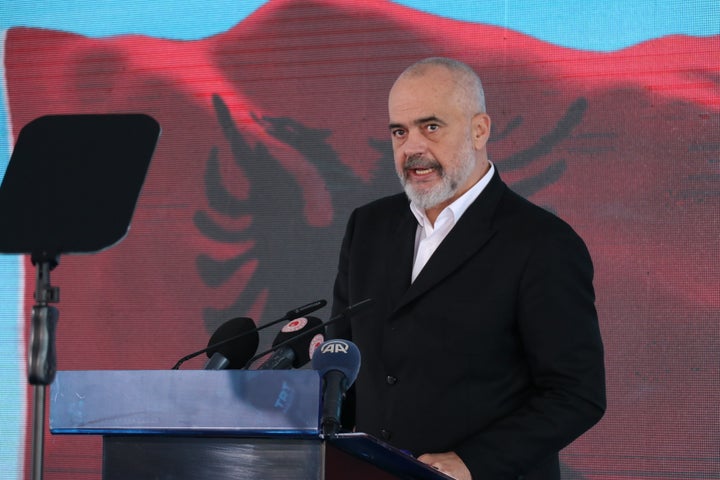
(482, 353)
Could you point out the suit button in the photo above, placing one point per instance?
(385, 434)
(391, 380)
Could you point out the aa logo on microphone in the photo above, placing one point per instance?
(334, 346)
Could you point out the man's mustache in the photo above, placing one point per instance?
(419, 161)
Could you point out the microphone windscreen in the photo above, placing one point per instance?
(304, 335)
(341, 355)
(239, 350)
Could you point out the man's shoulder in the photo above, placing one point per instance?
(530, 220)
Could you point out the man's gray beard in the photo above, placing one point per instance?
(450, 182)
(428, 199)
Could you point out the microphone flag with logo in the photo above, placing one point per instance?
(295, 343)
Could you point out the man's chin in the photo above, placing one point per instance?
(426, 199)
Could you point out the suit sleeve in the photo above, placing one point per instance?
(341, 293)
(558, 326)
(343, 329)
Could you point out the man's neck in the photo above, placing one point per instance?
(432, 213)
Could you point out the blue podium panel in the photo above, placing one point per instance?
(187, 402)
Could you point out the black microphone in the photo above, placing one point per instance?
(233, 354)
(290, 315)
(302, 339)
(344, 315)
(300, 311)
(338, 363)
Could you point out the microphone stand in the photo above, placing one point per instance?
(41, 353)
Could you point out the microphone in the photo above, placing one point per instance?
(338, 363)
(232, 354)
(290, 315)
(302, 340)
(300, 311)
(354, 308)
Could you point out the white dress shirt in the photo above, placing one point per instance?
(428, 236)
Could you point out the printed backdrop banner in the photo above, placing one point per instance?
(274, 130)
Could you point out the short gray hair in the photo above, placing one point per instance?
(467, 74)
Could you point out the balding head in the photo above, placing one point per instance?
(467, 81)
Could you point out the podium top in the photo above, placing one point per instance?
(216, 405)
(234, 402)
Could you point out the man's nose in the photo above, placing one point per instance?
(416, 144)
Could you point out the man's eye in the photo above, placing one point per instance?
(432, 127)
(398, 132)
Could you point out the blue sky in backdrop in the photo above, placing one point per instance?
(584, 24)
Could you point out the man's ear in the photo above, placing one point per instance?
(481, 130)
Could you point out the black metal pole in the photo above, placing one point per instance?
(38, 435)
(41, 357)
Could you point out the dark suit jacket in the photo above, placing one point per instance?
(494, 351)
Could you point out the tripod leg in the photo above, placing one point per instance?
(38, 438)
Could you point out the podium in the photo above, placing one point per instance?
(218, 425)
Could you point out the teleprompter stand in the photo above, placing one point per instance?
(71, 186)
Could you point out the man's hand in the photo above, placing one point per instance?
(448, 463)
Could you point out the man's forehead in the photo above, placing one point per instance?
(413, 105)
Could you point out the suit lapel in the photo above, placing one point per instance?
(466, 238)
(400, 256)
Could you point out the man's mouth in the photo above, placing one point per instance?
(420, 167)
(423, 171)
